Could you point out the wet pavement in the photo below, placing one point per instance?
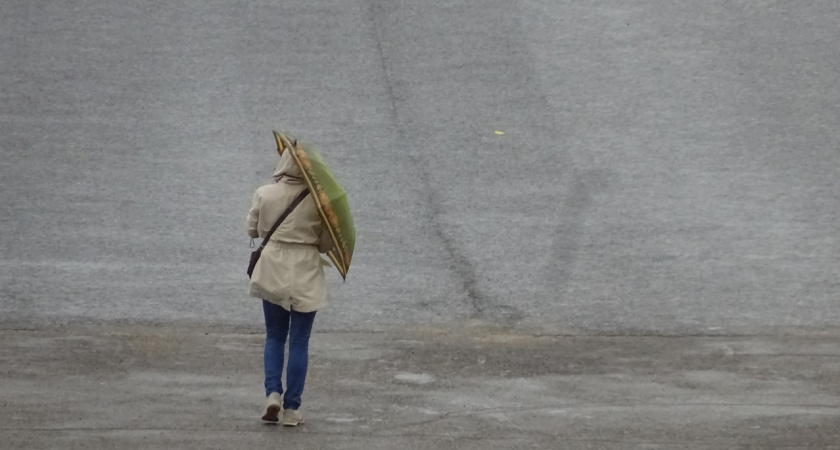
(421, 388)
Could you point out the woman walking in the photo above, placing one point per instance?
(289, 278)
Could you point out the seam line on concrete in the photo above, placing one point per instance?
(460, 265)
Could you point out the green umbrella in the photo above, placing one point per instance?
(330, 198)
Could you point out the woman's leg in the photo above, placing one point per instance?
(276, 329)
(299, 331)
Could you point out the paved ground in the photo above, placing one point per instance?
(421, 388)
(664, 168)
(667, 173)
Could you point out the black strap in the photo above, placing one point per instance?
(283, 216)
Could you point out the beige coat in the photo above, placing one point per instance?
(290, 272)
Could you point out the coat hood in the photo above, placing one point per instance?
(287, 170)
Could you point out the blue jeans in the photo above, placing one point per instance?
(280, 323)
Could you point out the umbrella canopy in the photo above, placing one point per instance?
(330, 198)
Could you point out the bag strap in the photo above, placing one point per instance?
(285, 214)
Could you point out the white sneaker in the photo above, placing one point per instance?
(272, 408)
(292, 418)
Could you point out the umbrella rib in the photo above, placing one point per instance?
(340, 259)
(320, 208)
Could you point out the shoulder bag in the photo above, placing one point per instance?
(255, 255)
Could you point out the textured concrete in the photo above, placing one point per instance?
(665, 166)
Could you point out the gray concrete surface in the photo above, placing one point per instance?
(421, 388)
(664, 167)
(664, 198)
